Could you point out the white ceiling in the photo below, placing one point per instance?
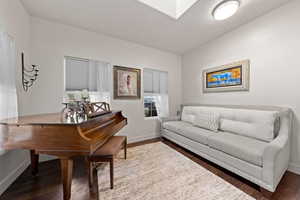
(134, 21)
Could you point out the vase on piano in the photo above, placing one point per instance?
(74, 112)
(75, 106)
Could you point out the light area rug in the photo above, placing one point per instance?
(158, 172)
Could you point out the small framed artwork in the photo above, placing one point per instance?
(227, 78)
(127, 83)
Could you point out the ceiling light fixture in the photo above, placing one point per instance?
(225, 9)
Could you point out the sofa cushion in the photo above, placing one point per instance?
(253, 130)
(244, 148)
(207, 120)
(188, 130)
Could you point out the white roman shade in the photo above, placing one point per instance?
(155, 82)
(92, 75)
(87, 74)
(76, 74)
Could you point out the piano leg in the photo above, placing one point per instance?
(94, 193)
(66, 174)
(34, 162)
(89, 168)
(93, 179)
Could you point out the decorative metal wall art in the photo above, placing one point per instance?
(29, 76)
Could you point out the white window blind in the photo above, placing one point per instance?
(92, 75)
(78, 74)
(155, 82)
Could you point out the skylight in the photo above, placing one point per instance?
(172, 8)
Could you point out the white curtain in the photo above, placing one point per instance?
(8, 92)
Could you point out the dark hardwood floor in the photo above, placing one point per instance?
(46, 185)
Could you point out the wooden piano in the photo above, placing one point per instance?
(52, 135)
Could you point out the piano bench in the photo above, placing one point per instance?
(106, 153)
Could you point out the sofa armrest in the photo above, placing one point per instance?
(276, 156)
(168, 119)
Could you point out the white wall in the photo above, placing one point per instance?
(15, 20)
(52, 41)
(272, 43)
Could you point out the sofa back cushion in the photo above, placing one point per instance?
(257, 124)
(188, 115)
(188, 118)
(252, 130)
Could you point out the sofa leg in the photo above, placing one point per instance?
(266, 193)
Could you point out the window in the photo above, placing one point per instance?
(91, 75)
(150, 106)
(156, 102)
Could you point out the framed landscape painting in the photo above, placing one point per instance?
(127, 83)
(226, 78)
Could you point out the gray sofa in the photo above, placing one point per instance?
(255, 144)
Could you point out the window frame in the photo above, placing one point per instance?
(156, 94)
(156, 108)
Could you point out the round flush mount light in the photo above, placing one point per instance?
(225, 9)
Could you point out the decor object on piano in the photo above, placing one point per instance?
(75, 106)
(127, 83)
(74, 111)
(96, 109)
(29, 76)
(230, 77)
(78, 107)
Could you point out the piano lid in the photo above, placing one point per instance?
(49, 119)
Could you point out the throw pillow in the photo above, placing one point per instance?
(207, 120)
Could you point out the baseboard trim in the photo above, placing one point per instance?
(294, 168)
(142, 138)
(11, 177)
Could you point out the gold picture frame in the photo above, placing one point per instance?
(127, 83)
(227, 78)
